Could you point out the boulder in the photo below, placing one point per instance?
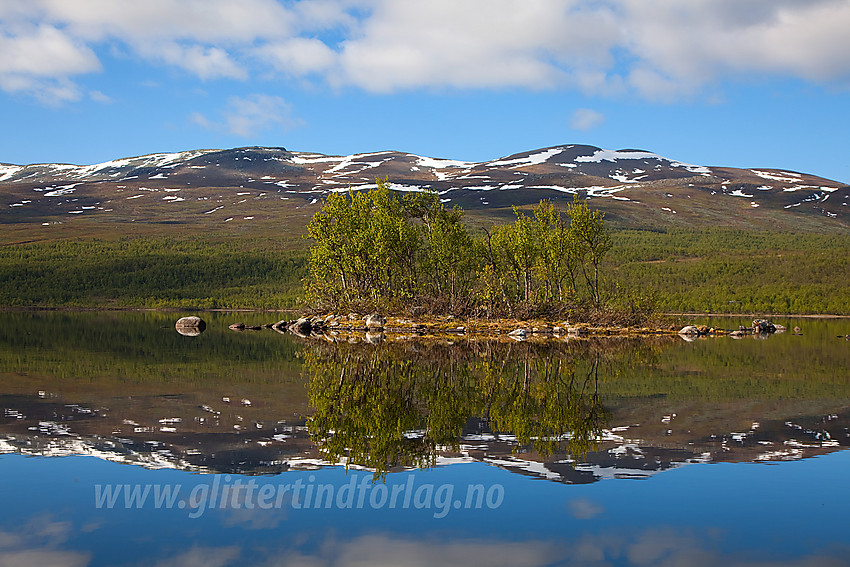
(577, 331)
(763, 326)
(302, 326)
(689, 330)
(190, 326)
(375, 321)
(236, 326)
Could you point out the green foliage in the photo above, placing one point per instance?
(592, 243)
(379, 250)
(365, 246)
(537, 258)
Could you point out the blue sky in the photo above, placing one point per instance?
(761, 83)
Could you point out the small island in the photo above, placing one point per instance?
(407, 254)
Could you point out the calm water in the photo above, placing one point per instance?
(125, 443)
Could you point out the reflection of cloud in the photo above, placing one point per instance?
(203, 557)
(256, 519)
(36, 545)
(31, 557)
(386, 550)
(668, 547)
(654, 545)
(673, 547)
(584, 509)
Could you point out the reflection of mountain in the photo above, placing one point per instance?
(622, 453)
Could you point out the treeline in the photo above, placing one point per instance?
(382, 250)
(732, 271)
(150, 272)
(445, 267)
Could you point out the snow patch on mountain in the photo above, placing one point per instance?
(614, 155)
(7, 171)
(438, 165)
(601, 155)
(62, 190)
(309, 159)
(786, 176)
(739, 193)
(533, 159)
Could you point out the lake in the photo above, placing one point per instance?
(123, 442)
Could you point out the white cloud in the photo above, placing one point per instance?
(248, 116)
(683, 46)
(585, 119)
(476, 43)
(298, 56)
(46, 43)
(100, 97)
(38, 61)
(204, 62)
(52, 92)
(658, 49)
(134, 22)
(45, 51)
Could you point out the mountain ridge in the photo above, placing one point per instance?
(635, 187)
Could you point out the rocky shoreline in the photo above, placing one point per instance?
(377, 327)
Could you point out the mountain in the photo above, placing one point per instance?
(634, 187)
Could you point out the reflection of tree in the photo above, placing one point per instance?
(376, 409)
(389, 405)
(546, 405)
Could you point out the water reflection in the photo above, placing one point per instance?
(277, 410)
(403, 404)
(126, 387)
